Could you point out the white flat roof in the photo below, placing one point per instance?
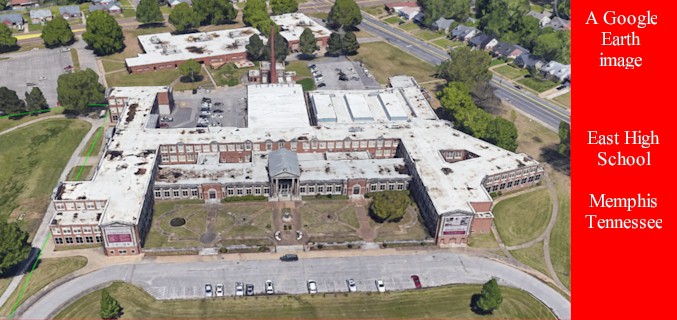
(392, 107)
(324, 108)
(165, 47)
(358, 107)
(278, 105)
(293, 24)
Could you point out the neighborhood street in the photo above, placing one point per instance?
(186, 280)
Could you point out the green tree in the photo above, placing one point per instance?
(307, 42)
(283, 6)
(110, 308)
(502, 133)
(255, 47)
(350, 44)
(3, 4)
(103, 34)
(57, 33)
(458, 103)
(148, 11)
(547, 46)
(7, 42)
(344, 13)
(389, 206)
(183, 18)
(490, 297)
(10, 102)
(214, 11)
(79, 89)
(35, 100)
(564, 8)
(14, 245)
(564, 146)
(470, 67)
(255, 13)
(281, 48)
(334, 45)
(190, 69)
(435, 9)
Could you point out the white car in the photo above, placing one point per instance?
(208, 290)
(380, 286)
(219, 290)
(269, 287)
(312, 286)
(319, 79)
(352, 287)
(239, 289)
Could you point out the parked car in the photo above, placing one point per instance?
(319, 79)
(206, 100)
(380, 286)
(312, 286)
(289, 257)
(166, 119)
(250, 289)
(417, 281)
(321, 84)
(239, 289)
(217, 111)
(219, 290)
(352, 286)
(269, 287)
(208, 290)
(518, 87)
(312, 66)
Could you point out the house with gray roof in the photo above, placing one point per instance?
(464, 33)
(558, 23)
(70, 12)
(508, 50)
(481, 41)
(13, 20)
(527, 60)
(40, 16)
(442, 24)
(174, 3)
(542, 18)
(110, 7)
(557, 71)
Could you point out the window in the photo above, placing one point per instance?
(280, 144)
(311, 189)
(69, 240)
(89, 205)
(77, 230)
(302, 189)
(133, 251)
(59, 206)
(123, 251)
(339, 145)
(239, 147)
(66, 230)
(266, 190)
(176, 193)
(313, 144)
(323, 145)
(494, 188)
(338, 189)
(391, 186)
(269, 146)
(56, 231)
(184, 193)
(502, 186)
(524, 180)
(400, 186)
(382, 187)
(372, 143)
(193, 192)
(165, 158)
(356, 189)
(167, 194)
(517, 182)
(86, 230)
(114, 117)
(96, 229)
(58, 240)
(248, 145)
(89, 239)
(257, 190)
(330, 145)
(78, 240)
(98, 239)
(158, 194)
(239, 191)
(112, 252)
(320, 189)
(248, 191)
(373, 187)
(509, 184)
(538, 177)
(329, 189)
(230, 192)
(531, 179)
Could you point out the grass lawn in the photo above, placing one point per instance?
(524, 217)
(560, 240)
(392, 20)
(165, 9)
(320, 15)
(308, 84)
(35, 27)
(228, 74)
(375, 10)
(75, 175)
(33, 158)
(47, 271)
(495, 62)
(158, 236)
(99, 137)
(384, 60)
(128, 13)
(427, 35)
(511, 72)
(111, 65)
(445, 43)
(6, 123)
(564, 99)
(154, 78)
(535, 7)
(144, 31)
(182, 86)
(537, 85)
(4, 282)
(482, 240)
(410, 26)
(422, 303)
(533, 257)
(301, 68)
(409, 228)
(76, 58)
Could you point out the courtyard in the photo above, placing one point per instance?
(193, 224)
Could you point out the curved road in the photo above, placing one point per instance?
(186, 280)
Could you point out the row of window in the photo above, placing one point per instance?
(122, 251)
(312, 190)
(247, 191)
(78, 240)
(389, 186)
(79, 205)
(76, 230)
(512, 174)
(306, 145)
(514, 183)
(175, 193)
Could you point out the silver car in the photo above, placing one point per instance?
(219, 290)
(352, 286)
(239, 289)
(312, 286)
(208, 291)
(269, 287)
(380, 286)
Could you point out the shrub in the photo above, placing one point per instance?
(244, 198)
(177, 222)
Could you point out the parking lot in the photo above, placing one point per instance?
(342, 74)
(36, 68)
(228, 108)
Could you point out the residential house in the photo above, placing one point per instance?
(40, 16)
(442, 24)
(18, 4)
(463, 33)
(103, 1)
(174, 3)
(411, 13)
(557, 71)
(527, 60)
(558, 23)
(394, 6)
(482, 40)
(70, 12)
(543, 18)
(13, 20)
(110, 7)
(507, 50)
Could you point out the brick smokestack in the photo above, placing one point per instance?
(273, 64)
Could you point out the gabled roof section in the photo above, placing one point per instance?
(283, 161)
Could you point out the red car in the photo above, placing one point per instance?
(417, 281)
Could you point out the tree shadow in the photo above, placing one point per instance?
(186, 79)
(473, 305)
(9, 49)
(151, 25)
(559, 162)
(29, 262)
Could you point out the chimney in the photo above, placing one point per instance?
(273, 64)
